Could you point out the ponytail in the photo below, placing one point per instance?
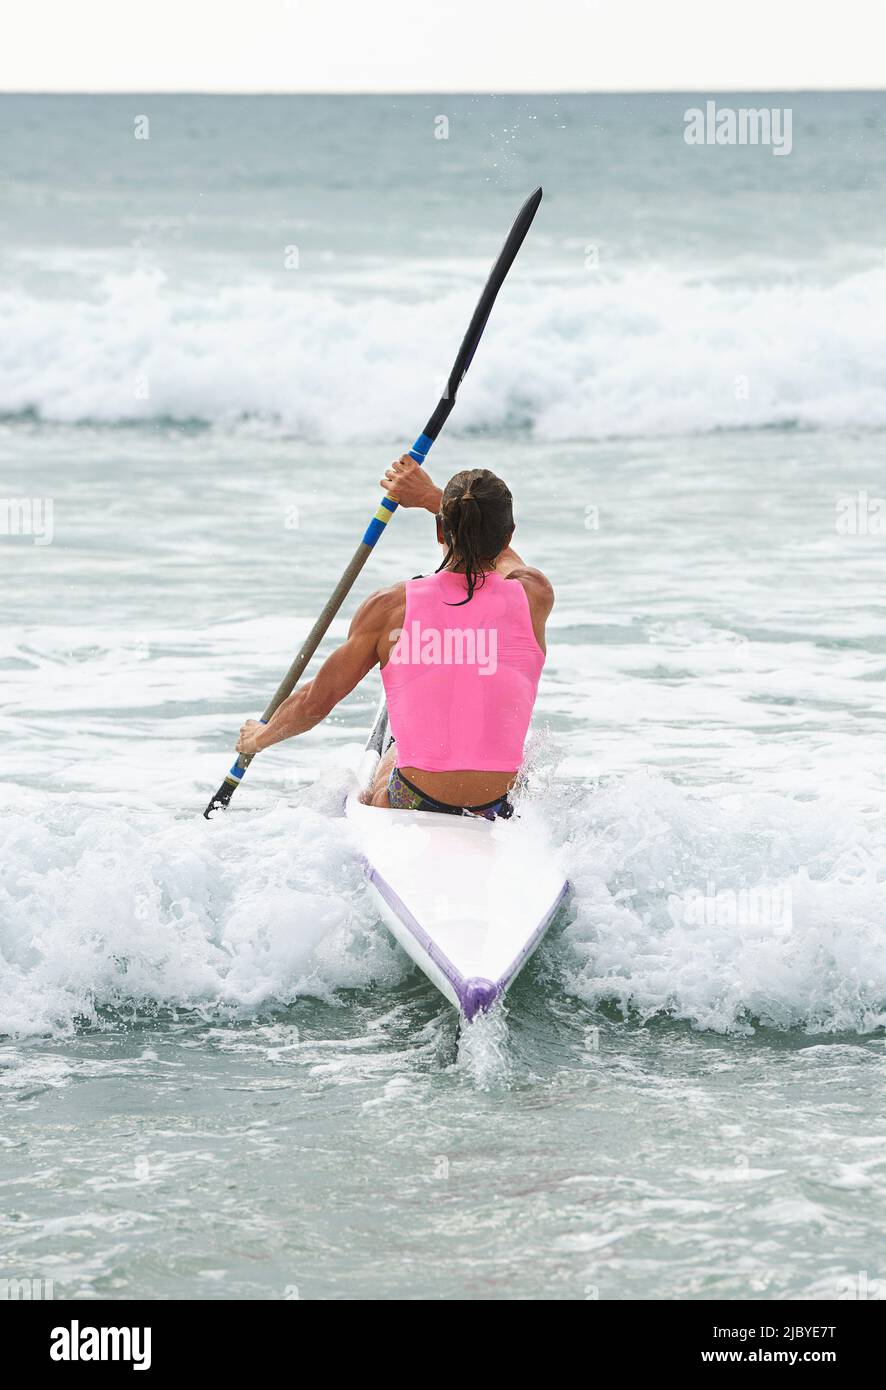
(477, 518)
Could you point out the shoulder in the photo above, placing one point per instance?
(382, 609)
(539, 589)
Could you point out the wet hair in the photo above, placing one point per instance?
(477, 518)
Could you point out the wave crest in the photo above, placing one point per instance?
(651, 352)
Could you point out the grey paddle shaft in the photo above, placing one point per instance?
(315, 636)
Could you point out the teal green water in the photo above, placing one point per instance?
(219, 1076)
(349, 1152)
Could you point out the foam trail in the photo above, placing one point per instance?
(483, 1054)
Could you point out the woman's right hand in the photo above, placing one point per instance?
(408, 483)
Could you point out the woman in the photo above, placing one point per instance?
(460, 652)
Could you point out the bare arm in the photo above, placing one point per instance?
(540, 593)
(338, 676)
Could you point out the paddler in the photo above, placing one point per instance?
(460, 651)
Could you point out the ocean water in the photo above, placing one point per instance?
(220, 1077)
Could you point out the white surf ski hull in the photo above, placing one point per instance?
(468, 899)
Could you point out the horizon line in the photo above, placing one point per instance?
(437, 92)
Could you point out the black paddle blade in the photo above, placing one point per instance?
(513, 242)
(222, 797)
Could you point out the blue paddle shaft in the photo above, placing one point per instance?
(376, 527)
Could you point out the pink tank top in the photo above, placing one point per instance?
(461, 682)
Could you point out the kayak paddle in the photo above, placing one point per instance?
(375, 529)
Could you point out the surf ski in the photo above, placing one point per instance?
(468, 899)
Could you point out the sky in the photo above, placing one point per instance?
(441, 45)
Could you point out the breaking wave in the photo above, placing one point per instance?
(652, 352)
(131, 911)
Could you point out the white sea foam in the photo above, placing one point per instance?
(640, 840)
(101, 910)
(127, 910)
(650, 352)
